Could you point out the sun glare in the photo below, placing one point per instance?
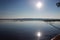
(38, 34)
(39, 5)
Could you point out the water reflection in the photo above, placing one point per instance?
(27, 30)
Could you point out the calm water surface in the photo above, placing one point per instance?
(27, 30)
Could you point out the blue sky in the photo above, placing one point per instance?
(28, 9)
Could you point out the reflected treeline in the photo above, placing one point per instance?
(33, 19)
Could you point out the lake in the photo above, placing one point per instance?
(26, 30)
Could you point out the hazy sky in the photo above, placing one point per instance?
(27, 8)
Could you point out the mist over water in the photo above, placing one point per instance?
(26, 30)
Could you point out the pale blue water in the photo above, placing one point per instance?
(27, 30)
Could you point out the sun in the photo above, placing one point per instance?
(39, 5)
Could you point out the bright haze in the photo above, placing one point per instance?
(29, 9)
(39, 5)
